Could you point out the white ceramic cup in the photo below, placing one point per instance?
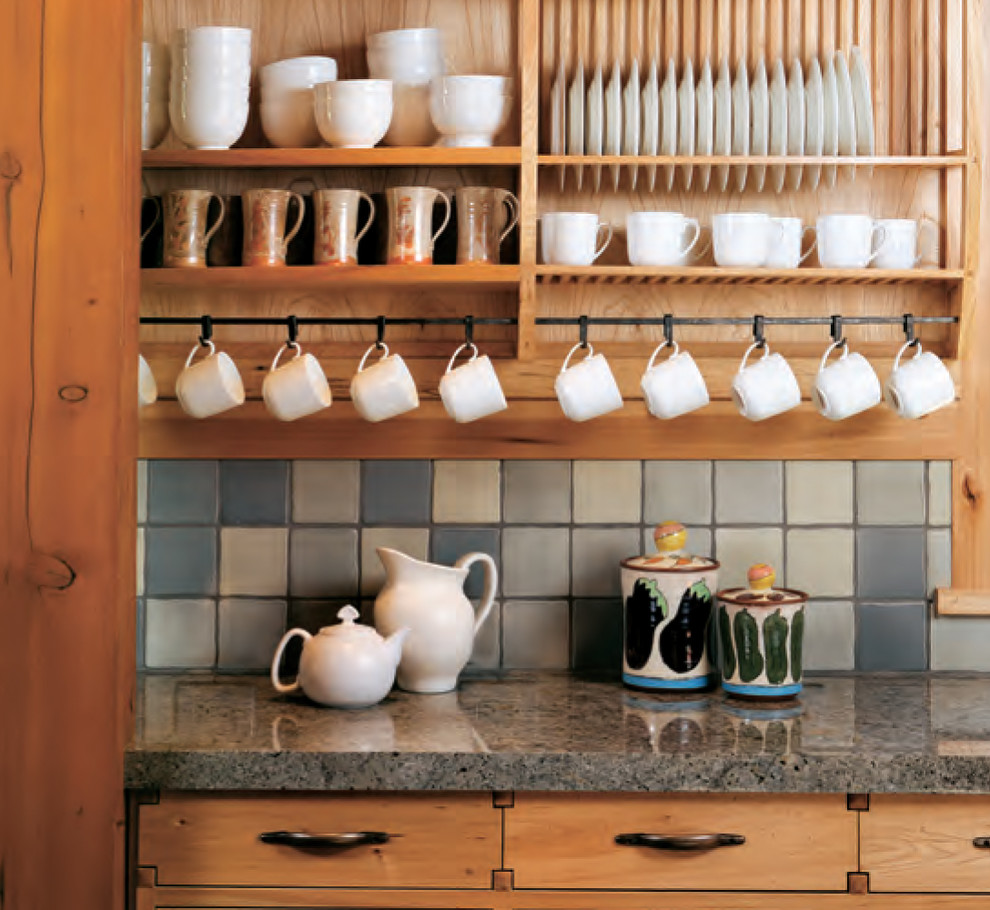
(288, 115)
(571, 238)
(785, 250)
(147, 387)
(469, 110)
(660, 238)
(353, 113)
(297, 388)
(743, 240)
(846, 387)
(920, 386)
(848, 241)
(765, 388)
(385, 389)
(674, 386)
(899, 247)
(409, 55)
(210, 386)
(588, 389)
(472, 390)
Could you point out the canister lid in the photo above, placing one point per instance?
(671, 538)
(761, 592)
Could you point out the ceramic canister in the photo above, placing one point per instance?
(668, 604)
(761, 636)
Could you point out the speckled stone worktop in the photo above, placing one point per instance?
(557, 732)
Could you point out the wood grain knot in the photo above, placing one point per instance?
(47, 571)
(971, 488)
(73, 393)
(10, 166)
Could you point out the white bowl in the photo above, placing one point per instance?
(353, 113)
(154, 122)
(469, 110)
(408, 55)
(211, 34)
(411, 122)
(297, 72)
(405, 37)
(205, 116)
(288, 119)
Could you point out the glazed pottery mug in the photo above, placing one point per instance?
(472, 390)
(482, 224)
(157, 206)
(847, 387)
(297, 388)
(186, 232)
(588, 389)
(899, 248)
(920, 386)
(572, 238)
(765, 388)
(743, 240)
(337, 235)
(674, 386)
(265, 213)
(385, 389)
(410, 223)
(785, 251)
(147, 387)
(660, 238)
(848, 241)
(210, 386)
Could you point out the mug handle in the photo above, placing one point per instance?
(446, 217)
(697, 236)
(491, 581)
(842, 343)
(282, 350)
(371, 217)
(155, 220)
(299, 219)
(216, 224)
(367, 354)
(457, 353)
(570, 354)
(878, 229)
(608, 239)
(286, 688)
(512, 203)
(659, 348)
(936, 229)
(750, 349)
(814, 242)
(204, 344)
(900, 353)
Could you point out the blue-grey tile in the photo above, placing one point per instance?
(890, 563)
(248, 632)
(595, 557)
(487, 651)
(596, 634)
(536, 562)
(253, 492)
(180, 634)
(313, 615)
(181, 561)
(537, 492)
(182, 492)
(535, 634)
(323, 562)
(447, 545)
(142, 491)
(396, 492)
(891, 636)
(139, 625)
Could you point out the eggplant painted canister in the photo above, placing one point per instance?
(668, 609)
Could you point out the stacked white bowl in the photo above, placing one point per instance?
(154, 94)
(411, 58)
(353, 113)
(469, 110)
(211, 85)
(287, 113)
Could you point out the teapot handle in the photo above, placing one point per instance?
(491, 584)
(285, 688)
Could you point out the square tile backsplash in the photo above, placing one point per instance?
(236, 551)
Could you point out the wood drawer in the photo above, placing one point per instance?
(443, 841)
(793, 842)
(925, 843)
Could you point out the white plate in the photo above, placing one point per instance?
(847, 112)
(650, 139)
(558, 118)
(778, 124)
(759, 114)
(575, 118)
(830, 95)
(686, 121)
(863, 103)
(795, 121)
(723, 123)
(668, 120)
(740, 121)
(631, 115)
(814, 122)
(705, 98)
(613, 118)
(594, 122)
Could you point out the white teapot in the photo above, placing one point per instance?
(343, 666)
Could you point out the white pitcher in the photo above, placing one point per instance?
(430, 600)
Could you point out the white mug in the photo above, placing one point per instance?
(766, 388)
(588, 389)
(919, 387)
(211, 386)
(743, 240)
(899, 247)
(785, 251)
(571, 238)
(675, 386)
(147, 387)
(472, 390)
(297, 388)
(385, 389)
(660, 238)
(848, 241)
(847, 387)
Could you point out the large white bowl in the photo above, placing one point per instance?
(297, 72)
(353, 113)
(154, 122)
(288, 119)
(469, 110)
(211, 34)
(208, 116)
(412, 55)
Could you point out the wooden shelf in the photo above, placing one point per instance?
(939, 162)
(328, 157)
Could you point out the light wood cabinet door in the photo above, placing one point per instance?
(926, 843)
(791, 842)
(442, 841)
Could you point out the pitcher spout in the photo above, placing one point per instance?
(400, 567)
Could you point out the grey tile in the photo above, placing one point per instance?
(960, 643)
(749, 492)
(536, 562)
(467, 492)
(447, 545)
(535, 634)
(139, 623)
(891, 636)
(326, 492)
(739, 548)
(142, 491)
(830, 636)
(182, 492)
(608, 492)
(939, 559)
(414, 542)
(253, 492)
(139, 568)
(700, 542)
(820, 561)
(487, 652)
(323, 562)
(890, 563)
(180, 561)
(596, 634)
(890, 492)
(819, 492)
(254, 562)
(595, 557)
(537, 492)
(180, 634)
(249, 631)
(940, 493)
(313, 615)
(395, 492)
(678, 491)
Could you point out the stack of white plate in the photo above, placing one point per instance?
(154, 94)
(287, 114)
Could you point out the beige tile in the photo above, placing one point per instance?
(595, 557)
(326, 492)
(323, 562)
(536, 562)
(678, 491)
(180, 634)
(413, 542)
(749, 492)
(537, 492)
(248, 633)
(820, 561)
(466, 491)
(142, 491)
(939, 559)
(890, 492)
(960, 643)
(140, 562)
(535, 634)
(254, 562)
(940, 493)
(819, 492)
(829, 636)
(739, 548)
(608, 492)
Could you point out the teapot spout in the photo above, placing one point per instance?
(394, 643)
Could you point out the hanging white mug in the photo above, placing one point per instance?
(588, 389)
(847, 387)
(675, 386)
(765, 388)
(385, 389)
(147, 387)
(210, 386)
(920, 386)
(297, 388)
(472, 390)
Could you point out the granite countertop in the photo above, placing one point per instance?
(917, 733)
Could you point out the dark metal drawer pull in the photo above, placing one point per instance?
(680, 841)
(344, 839)
(982, 842)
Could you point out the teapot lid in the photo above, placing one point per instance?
(761, 592)
(670, 538)
(347, 627)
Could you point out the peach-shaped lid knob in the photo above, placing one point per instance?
(670, 536)
(761, 577)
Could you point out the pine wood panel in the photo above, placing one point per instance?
(959, 602)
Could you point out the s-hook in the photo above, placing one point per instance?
(206, 330)
(909, 334)
(380, 342)
(583, 331)
(469, 330)
(293, 324)
(759, 336)
(836, 332)
(668, 328)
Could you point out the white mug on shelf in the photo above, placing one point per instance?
(743, 240)
(848, 241)
(899, 247)
(472, 390)
(920, 386)
(660, 238)
(297, 388)
(674, 386)
(210, 386)
(765, 388)
(147, 387)
(588, 389)
(846, 387)
(785, 252)
(385, 389)
(571, 238)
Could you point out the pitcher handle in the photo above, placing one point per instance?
(286, 688)
(299, 219)
(446, 217)
(510, 201)
(491, 583)
(218, 222)
(371, 216)
(155, 220)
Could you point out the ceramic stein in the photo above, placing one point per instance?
(765, 388)
(385, 389)
(337, 235)
(482, 224)
(410, 223)
(847, 387)
(588, 389)
(186, 232)
(744, 240)
(674, 386)
(899, 248)
(572, 238)
(848, 241)
(660, 239)
(297, 388)
(785, 252)
(265, 212)
(472, 390)
(920, 386)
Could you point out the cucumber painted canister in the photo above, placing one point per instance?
(761, 637)
(668, 610)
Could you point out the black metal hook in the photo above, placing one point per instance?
(206, 330)
(469, 329)
(668, 328)
(759, 338)
(293, 324)
(909, 333)
(836, 332)
(583, 331)
(380, 342)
